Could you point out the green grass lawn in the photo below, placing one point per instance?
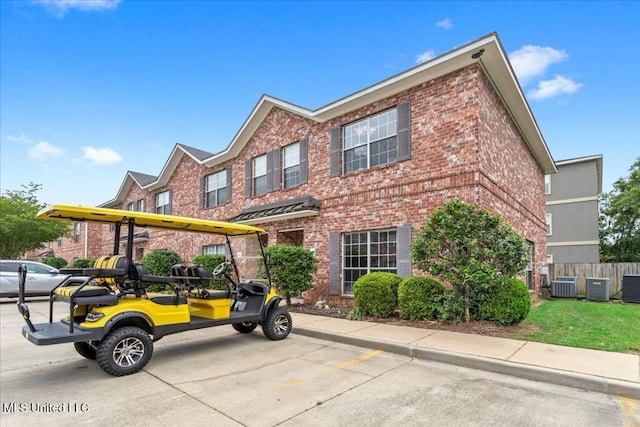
(609, 326)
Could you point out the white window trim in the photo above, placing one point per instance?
(366, 144)
(222, 173)
(549, 223)
(547, 184)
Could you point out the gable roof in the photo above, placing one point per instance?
(486, 51)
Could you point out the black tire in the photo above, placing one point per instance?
(245, 327)
(85, 350)
(125, 351)
(278, 324)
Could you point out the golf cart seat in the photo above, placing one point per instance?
(107, 271)
(198, 279)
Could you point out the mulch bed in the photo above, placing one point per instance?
(473, 327)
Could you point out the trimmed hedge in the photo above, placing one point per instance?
(83, 263)
(55, 262)
(420, 298)
(506, 303)
(375, 294)
(208, 261)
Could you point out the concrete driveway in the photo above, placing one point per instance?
(219, 377)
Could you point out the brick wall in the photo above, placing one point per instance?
(463, 145)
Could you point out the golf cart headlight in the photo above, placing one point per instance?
(92, 316)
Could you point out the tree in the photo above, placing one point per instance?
(620, 219)
(467, 246)
(291, 269)
(20, 231)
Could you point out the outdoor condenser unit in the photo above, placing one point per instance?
(598, 289)
(631, 288)
(564, 288)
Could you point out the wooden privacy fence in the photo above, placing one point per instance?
(611, 271)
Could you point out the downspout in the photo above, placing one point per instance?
(86, 240)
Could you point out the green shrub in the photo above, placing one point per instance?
(159, 263)
(291, 269)
(208, 261)
(55, 262)
(420, 297)
(507, 303)
(82, 263)
(451, 307)
(374, 294)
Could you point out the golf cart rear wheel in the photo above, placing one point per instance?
(125, 351)
(245, 327)
(277, 325)
(85, 350)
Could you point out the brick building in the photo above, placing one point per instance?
(356, 179)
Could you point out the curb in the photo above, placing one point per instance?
(576, 380)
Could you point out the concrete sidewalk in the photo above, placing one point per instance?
(593, 370)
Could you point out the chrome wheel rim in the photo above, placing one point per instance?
(281, 325)
(128, 352)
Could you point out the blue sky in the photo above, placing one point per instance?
(92, 89)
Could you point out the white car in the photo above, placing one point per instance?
(41, 278)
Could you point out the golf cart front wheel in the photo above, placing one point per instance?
(277, 325)
(245, 327)
(125, 351)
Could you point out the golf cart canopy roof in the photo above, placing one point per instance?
(145, 219)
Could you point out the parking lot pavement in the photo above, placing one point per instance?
(218, 377)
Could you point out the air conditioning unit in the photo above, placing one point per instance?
(564, 289)
(598, 289)
(631, 288)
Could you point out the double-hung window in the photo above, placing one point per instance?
(216, 192)
(365, 252)
(259, 175)
(136, 206)
(163, 202)
(549, 220)
(291, 165)
(76, 232)
(213, 249)
(371, 142)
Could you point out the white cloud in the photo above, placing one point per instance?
(43, 150)
(559, 85)
(60, 7)
(101, 156)
(425, 56)
(22, 138)
(445, 23)
(532, 61)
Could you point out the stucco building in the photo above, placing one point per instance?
(572, 210)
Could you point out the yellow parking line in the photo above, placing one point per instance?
(362, 357)
(359, 359)
(630, 415)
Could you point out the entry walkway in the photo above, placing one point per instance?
(593, 370)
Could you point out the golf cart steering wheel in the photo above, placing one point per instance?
(222, 268)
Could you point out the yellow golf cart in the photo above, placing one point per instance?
(114, 320)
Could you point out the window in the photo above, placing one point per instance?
(547, 184)
(216, 189)
(137, 206)
(291, 165)
(213, 249)
(259, 175)
(76, 232)
(365, 252)
(371, 142)
(163, 203)
(549, 258)
(549, 220)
